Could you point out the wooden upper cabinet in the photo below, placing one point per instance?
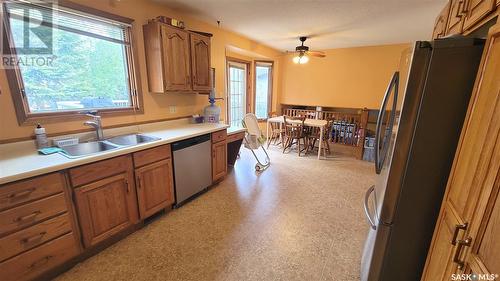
(456, 18)
(476, 10)
(200, 62)
(441, 22)
(176, 66)
(155, 187)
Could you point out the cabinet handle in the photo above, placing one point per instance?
(33, 238)
(461, 244)
(28, 217)
(460, 12)
(40, 262)
(22, 193)
(128, 186)
(458, 227)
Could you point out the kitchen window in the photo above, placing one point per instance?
(65, 60)
(263, 88)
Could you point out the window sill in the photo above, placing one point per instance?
(59, 117)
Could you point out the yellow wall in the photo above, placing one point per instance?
(352, 77)
(156, 106)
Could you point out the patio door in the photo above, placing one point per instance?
(237, 92)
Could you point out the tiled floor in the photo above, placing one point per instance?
(301, 219)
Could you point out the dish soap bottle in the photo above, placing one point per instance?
(212, 111)
(41, 137)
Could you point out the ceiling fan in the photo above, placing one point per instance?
(303, 52)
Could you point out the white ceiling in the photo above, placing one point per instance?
(330, 23)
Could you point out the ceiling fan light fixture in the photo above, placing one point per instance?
(301, 59)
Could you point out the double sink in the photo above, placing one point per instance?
(87, 148)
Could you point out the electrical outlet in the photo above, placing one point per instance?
(172, 109)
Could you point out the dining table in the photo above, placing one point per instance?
(317, 123)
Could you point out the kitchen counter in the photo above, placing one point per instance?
(21, 160)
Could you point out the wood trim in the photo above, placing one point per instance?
(480, 23)
(15, 80)
(12, 140)
(270, 90)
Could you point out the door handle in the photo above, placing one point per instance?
(461, 243)
(458, 227)
(367, 210)
(393, 83)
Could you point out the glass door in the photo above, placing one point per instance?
(237, 94)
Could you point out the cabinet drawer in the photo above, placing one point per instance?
(100, 170)
(235, 137)
(20, 192)
(31, 237)
(151, 155)
(31, 213)
(34, 262)
(219, 136)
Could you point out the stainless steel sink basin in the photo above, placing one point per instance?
(87, 148)
(131, 139)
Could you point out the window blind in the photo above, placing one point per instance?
(53, 16)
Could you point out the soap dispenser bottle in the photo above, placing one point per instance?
(41, 137)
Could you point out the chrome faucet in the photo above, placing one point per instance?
(95, 123)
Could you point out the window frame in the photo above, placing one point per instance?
(228, 85)
(16, 84)
(270, 88)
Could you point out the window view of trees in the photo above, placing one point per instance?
(85, 73)
(262, 75)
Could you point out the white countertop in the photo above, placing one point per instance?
(21, 160)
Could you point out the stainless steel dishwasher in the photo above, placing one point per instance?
(192, 167)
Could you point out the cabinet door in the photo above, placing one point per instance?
(456, 19)
(200, 62)
(106, 207)
(176, 66)
(155, 187)
(476, 11)
(219, 160)
(440, 264)
(441, 22)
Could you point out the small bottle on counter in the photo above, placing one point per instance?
(41, 137)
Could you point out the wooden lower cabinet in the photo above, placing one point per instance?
(472, 191)
(155, 187)
(219, 160)
(32, 263)
(106, 207)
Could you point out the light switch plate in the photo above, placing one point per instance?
(172, 109)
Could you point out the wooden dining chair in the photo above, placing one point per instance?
(314, 136)
(277, 132)
(294, 133)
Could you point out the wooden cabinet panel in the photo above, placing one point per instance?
(473, 187)
(439, 266)
(176, 60)
(99, 170)
(200, 62)
(219, 160)
(219, 136)
(441, 22)
(31, 213)
(456, 18)
(106, 207)
(31, 237)
(498, 2)
(20, 192)
(476, 11)
(155, 187)
(31, 264)
(152, 155)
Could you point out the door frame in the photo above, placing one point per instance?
(248, 85)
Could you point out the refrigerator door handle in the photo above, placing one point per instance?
(367, 210)
(393, 84)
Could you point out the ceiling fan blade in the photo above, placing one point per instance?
(318, 54)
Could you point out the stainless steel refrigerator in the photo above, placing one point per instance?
(417, 133)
